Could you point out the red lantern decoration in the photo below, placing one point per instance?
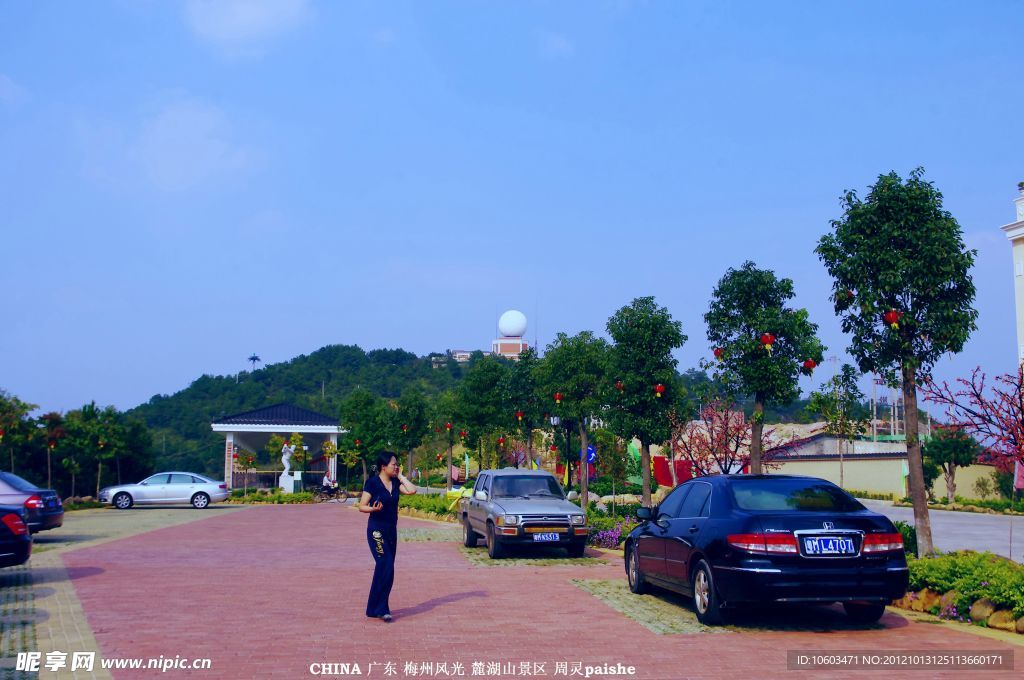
(719, 353)
(448, 426)
(768, 340)
(659, 389)
(1, 434)
(892, 317)
(439, 458)
(405, 428)
(519, 416)
(359, 442)
(462, 434)
(619, 386)
(501, 441)
(554, 449)
(558, 397)
(810, 364)
(235, 456)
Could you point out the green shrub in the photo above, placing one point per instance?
(872, 495)
(909, 533)
(973, 576)
(436, 503)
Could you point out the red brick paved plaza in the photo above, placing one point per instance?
(267, 591)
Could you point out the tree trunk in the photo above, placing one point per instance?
(672, 464)
(915, 463)
(756, 428)
(73, 485)
(584, 469)
(950, 476)
(448, 472)
(645, 472)
(99, 476)
(529, 448)
(49, 476)
(408, 470)
(363, 461)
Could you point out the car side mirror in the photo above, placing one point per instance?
(480, 495)
(572, 496)
(643, 514)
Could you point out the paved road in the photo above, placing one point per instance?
(965, 530)
(267, 591)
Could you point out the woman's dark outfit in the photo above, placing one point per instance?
(382, 536)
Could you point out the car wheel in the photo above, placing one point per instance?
(468, 535)
(637, 582)
(123, 501)
(705, 599)
(200, 501)
(495, 550)
(576, 549)
(863, 613)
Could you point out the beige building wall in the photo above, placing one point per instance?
(877, 476)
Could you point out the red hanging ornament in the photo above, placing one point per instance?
(1, 434)
(892, 317)
(359, 442)
(554, 449)
(501, 441)
(463, 433)
(519, 416)
(810, 364)
(448, 426)
(439, 457)
(558, 397)
(405, 428)
(719, 353)
(619, 386)
(235, 456)
(659, 389)
(768, 340)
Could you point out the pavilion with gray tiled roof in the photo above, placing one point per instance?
(251, 430)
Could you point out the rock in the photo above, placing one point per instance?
(87, 499)
(924, 600)
(1020, 625)
(602, 506)
(592, 497)
(903, 602)
(1003, 620)
(621, 499)
(982, 609)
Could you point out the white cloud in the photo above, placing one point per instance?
(189, 143)
(244, 27)
(186, 144)
(10, 91)
(555, 45)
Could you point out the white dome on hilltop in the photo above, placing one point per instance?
(512, 324)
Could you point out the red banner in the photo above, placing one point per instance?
(1018, 475)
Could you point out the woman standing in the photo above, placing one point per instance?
(380, 501)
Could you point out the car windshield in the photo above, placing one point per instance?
(526, 485)
(17, 482)
(791, 495)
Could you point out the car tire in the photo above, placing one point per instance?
(576, 549)
(123, 501)
(495, 550)
(637, 582)
(860, 612)
(200, 501)
(705, 599)
(468, 535)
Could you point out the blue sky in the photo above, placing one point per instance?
(185, 183)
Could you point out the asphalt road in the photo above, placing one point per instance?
(965, 530)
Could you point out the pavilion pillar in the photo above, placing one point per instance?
(229, 458)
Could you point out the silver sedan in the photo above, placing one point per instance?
(166, 487)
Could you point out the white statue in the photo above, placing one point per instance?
(286, 458)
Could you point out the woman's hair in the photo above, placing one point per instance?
(382, 459)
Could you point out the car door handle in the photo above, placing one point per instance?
(694, 529)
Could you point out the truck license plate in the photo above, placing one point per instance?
(545, 537)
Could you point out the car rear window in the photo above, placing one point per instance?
(526, 485)
(17, 482)
(796, 495)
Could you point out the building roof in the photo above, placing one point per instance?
(278, 414)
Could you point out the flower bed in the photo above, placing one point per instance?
(980, 588)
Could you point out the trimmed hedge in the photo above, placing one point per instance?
(972, 576)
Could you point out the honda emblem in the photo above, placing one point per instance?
(828, 525)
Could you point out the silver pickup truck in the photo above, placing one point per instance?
(522, 507)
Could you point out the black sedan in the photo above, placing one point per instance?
(15, 539)
(43, 507)
(733, 539)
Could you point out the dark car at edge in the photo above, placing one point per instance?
(15, 538)
(43, 507)
(730, 540)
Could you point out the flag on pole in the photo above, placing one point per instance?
(533, 465)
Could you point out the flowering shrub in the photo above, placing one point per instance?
(609, 532)
(973, 576)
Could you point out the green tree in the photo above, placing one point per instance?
(646, 386)
(761, 344)
(522, 401)
(576, 368)
(15, 425)
(53, 424)
(902, 288)
(481, 405)
(363, 415)
(950, 448)
(444, 414)
(413, 417)
(839, 402)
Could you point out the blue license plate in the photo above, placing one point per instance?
(829, 545)
(545, 537)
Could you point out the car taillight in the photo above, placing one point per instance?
(874, 543)
(34, 503)
(776, 544)
(223, 486)
(15, 524)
